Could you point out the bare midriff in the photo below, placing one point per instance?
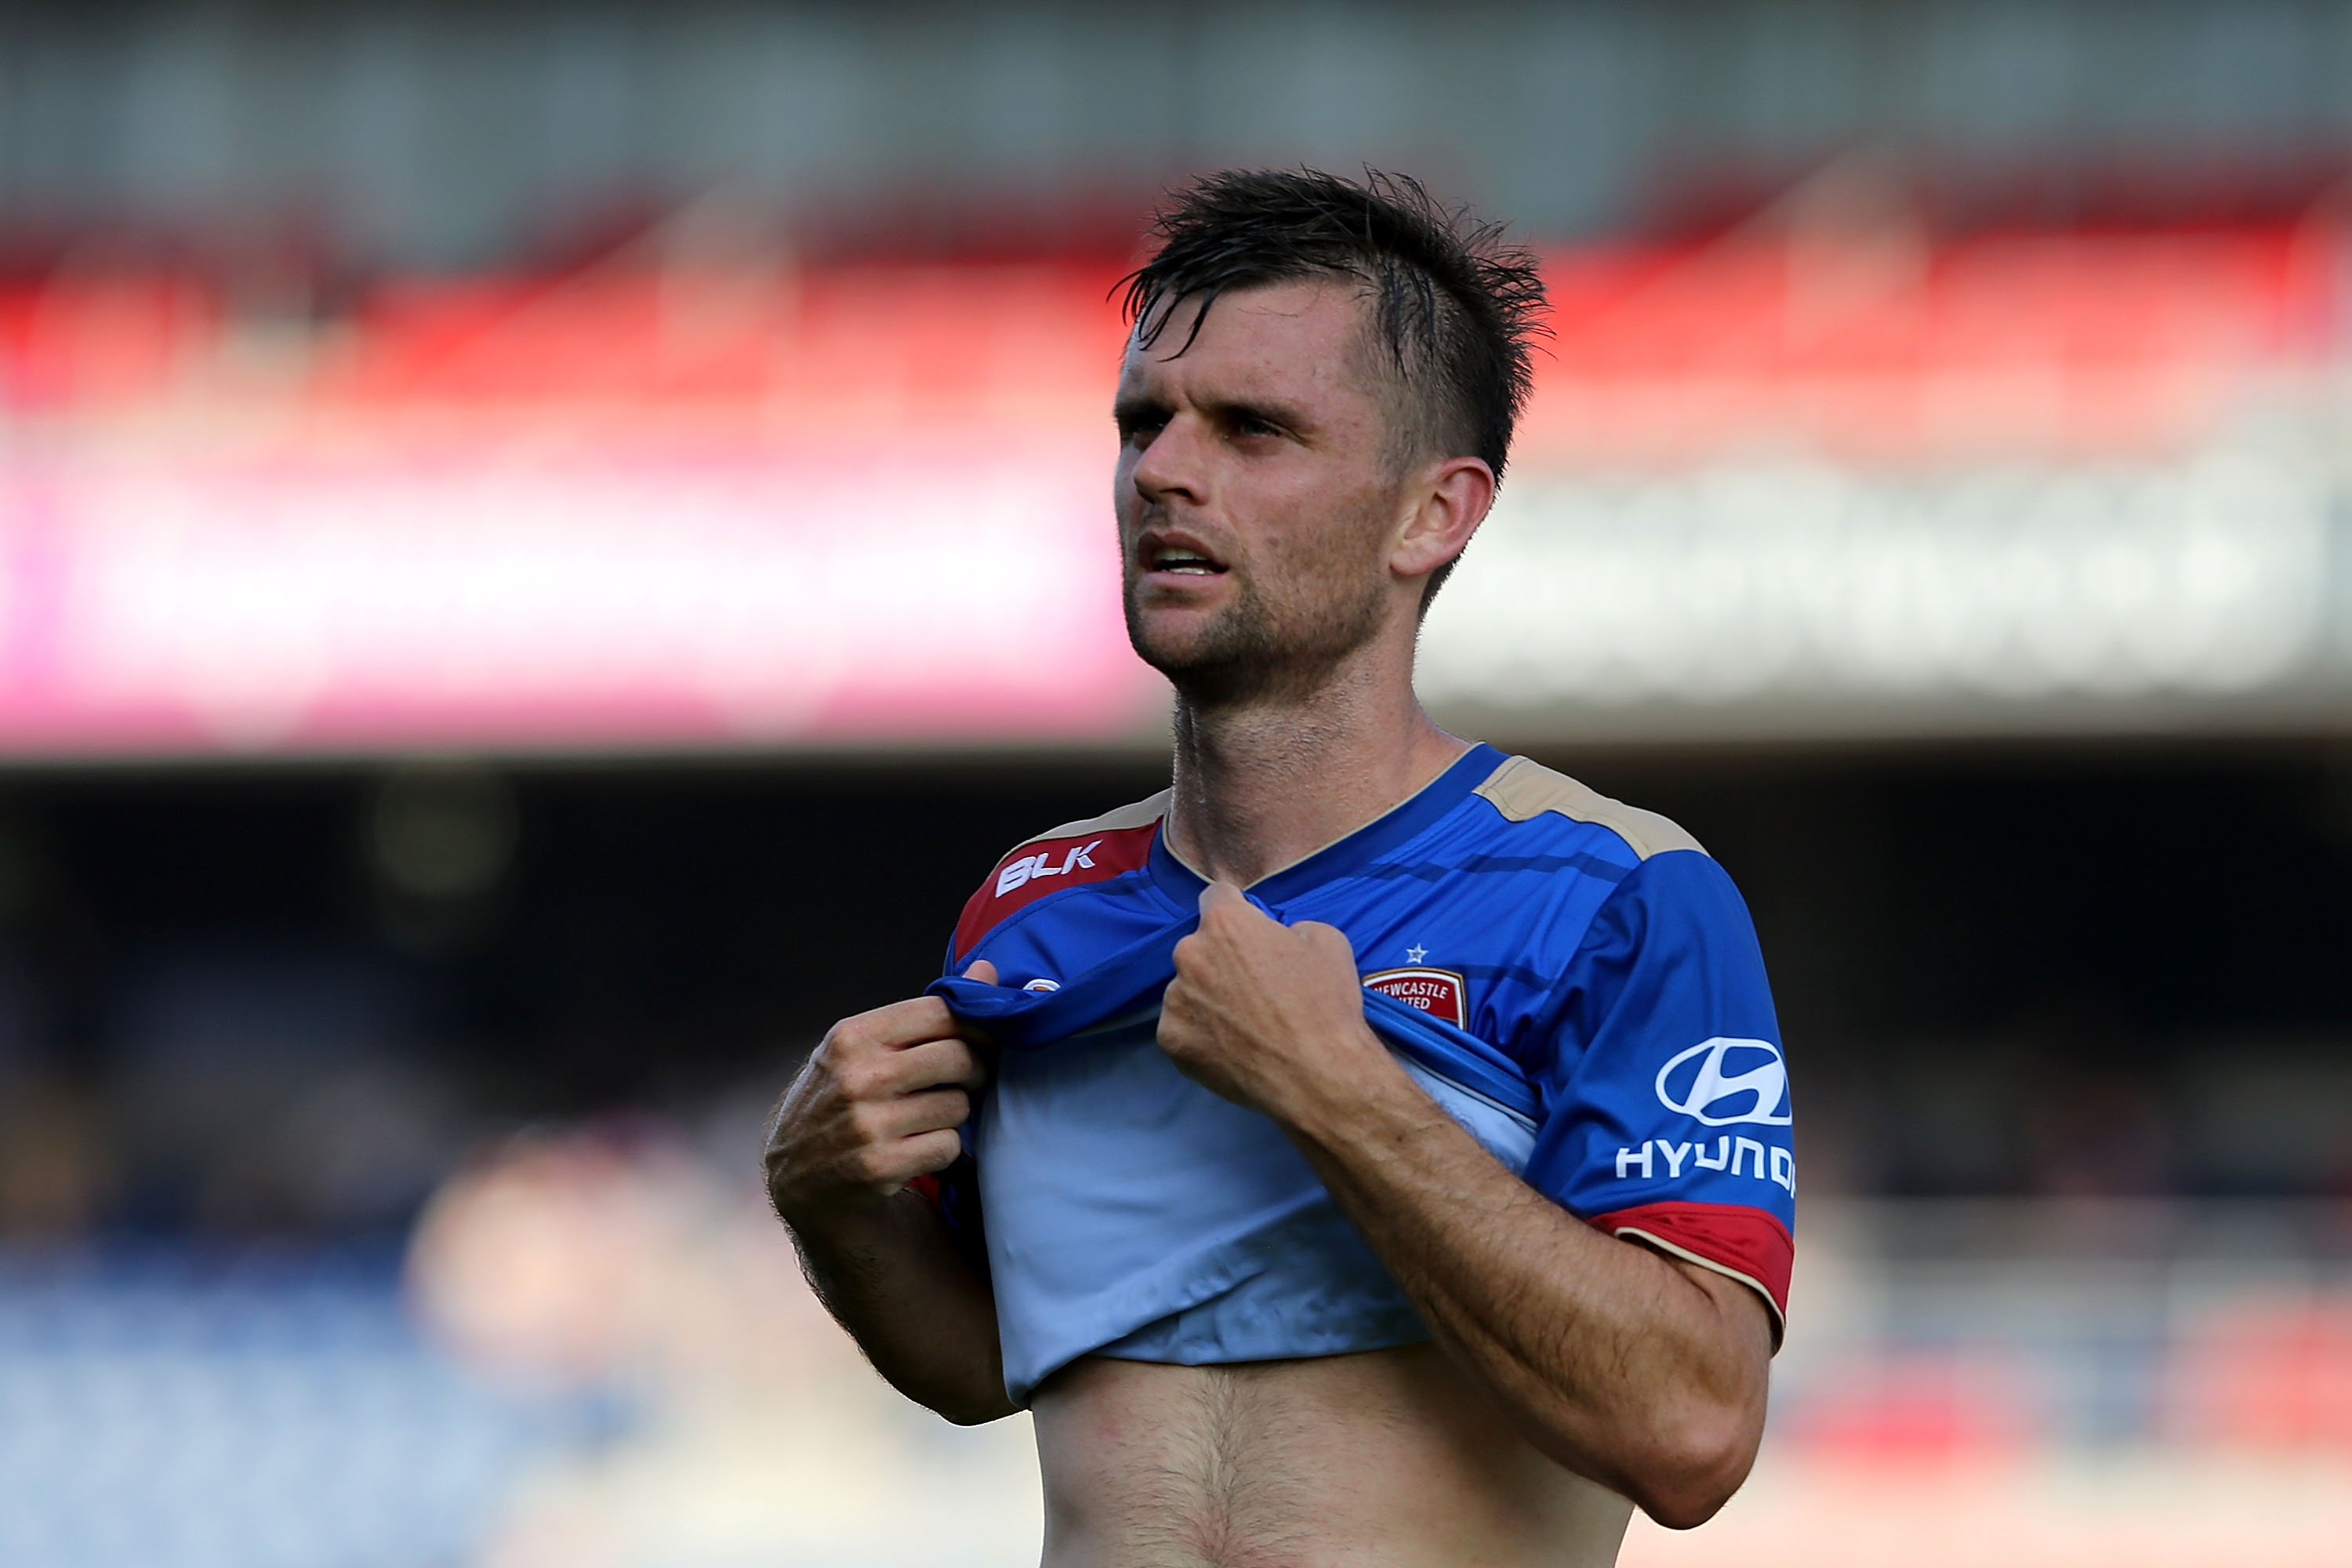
(1386, 1459)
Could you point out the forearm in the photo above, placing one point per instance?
(1645, 1374)
(892, 1275)
(1642, 1373)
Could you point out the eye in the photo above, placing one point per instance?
(1139, 429)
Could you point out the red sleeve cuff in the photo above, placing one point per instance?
(1749, 1244)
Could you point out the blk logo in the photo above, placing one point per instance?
(1722, 1083)
(1028, 866)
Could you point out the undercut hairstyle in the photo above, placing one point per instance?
(1454, 308)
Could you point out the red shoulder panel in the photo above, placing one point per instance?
(1045, 866)
(1747, 1243)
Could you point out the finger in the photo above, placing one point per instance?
(931, 1153)
(886, 1169)
(1328, 937)
(870, 1075)
(938, 1064)
(981, 971)
(932, 1110)
(1221, 895)
(1175, 1020)
(900, 1024)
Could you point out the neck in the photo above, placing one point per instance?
(1262, 783)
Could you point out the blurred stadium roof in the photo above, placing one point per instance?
(409, 135)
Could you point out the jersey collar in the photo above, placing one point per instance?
(1408, 819)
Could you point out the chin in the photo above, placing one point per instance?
(1213, 652)
(1171, 652)
(1169, 635)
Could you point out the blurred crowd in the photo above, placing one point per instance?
(266, 1095)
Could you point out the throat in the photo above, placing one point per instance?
(1256, 791)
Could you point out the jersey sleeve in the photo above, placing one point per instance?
(1665, 1109)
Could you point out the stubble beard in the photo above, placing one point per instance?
(1251, 655)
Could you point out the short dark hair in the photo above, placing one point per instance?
(1455, 307)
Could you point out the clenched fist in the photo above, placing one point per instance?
(1265, 1014)
(877, 1105)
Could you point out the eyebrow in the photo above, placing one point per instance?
(1135, 409)
(1282, 416)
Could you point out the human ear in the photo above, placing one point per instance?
(1447, 502)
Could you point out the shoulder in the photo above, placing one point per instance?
(1646, 889)
(1526, 792)
(1092, 851)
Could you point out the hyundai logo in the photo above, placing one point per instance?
(1733, 1081)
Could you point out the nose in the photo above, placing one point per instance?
(1170, 468)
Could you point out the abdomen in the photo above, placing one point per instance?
(1387, 1459)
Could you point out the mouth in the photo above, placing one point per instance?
(1179, 558)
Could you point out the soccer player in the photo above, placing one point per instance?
(1372, 1150)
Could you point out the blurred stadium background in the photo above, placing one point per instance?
(543, 548)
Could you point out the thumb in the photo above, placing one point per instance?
(985, 973)
(1219, 894)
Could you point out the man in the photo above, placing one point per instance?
(1431, 1198)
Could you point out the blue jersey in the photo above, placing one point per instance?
(1573, 980)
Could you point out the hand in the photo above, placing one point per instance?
(877, 1105)
(1261, 1012)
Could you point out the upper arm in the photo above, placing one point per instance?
(1749, 1331)
(1666, 1117)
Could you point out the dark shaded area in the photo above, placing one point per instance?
(653, 920)
(2074, 969)
(2178, 890)
(2057, 969)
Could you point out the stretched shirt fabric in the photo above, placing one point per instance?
(1574, 980)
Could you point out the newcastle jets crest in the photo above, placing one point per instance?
(1439, 993)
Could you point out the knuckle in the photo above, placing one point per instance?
(868, 1078)
(778, 1144)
